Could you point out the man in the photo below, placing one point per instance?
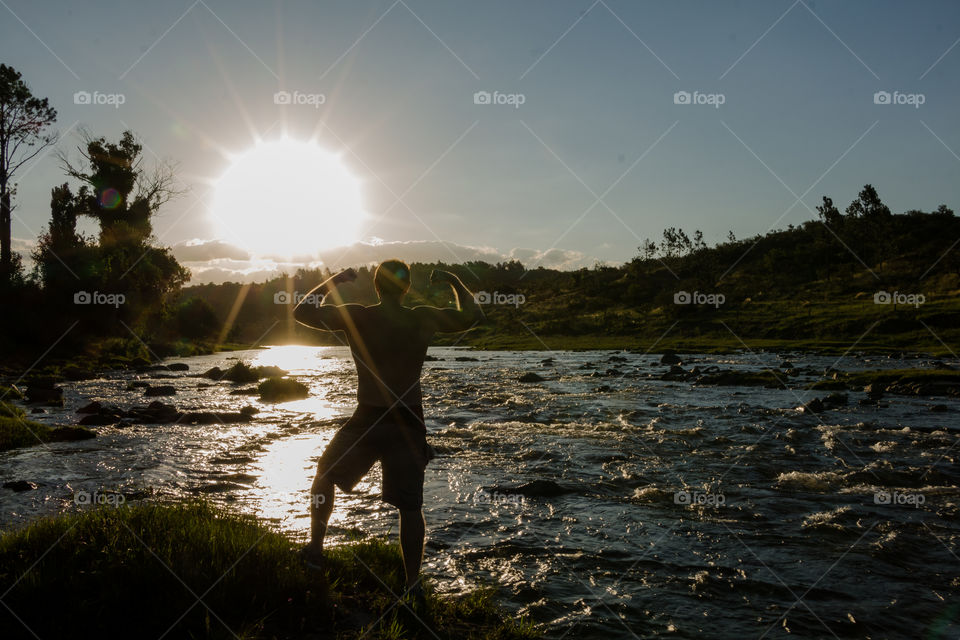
(388, 342)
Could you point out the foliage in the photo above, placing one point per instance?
(116, 571)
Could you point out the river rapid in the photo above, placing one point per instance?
(602, 501)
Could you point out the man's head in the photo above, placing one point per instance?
(392, 279)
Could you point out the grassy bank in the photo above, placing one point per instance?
(137, 571)
(17, 431)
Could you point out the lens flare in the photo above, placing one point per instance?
(110, 198)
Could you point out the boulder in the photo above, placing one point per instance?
(835, 400)
(535, 489)
(20, 485)
(93, 407)
(531, 377)
(669, 357)
(178, 366)
(160, 390)
(98, 420)
(155, 413)
(214, 373)
(71, 434)
(282, 389)
(44, 392)
(813, 407)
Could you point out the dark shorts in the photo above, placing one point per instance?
(396, 438)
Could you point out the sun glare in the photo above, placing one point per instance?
(289, 199)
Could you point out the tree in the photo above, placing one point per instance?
(119, 193)
(59, 253)
(829, 214)
(25, 123)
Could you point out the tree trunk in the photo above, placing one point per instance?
(6, 261)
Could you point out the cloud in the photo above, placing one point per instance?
(203, 251)
(217, 261)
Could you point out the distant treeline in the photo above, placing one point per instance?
(839, 262)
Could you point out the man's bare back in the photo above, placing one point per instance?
(389, 343)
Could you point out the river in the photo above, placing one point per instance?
(671, 509)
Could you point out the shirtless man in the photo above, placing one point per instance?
(388, 342)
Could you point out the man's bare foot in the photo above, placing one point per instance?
(312, 556)
(417, 598)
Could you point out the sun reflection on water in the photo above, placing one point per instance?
(299, 358)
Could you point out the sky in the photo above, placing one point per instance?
(561, 133)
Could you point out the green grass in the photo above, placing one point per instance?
(811, 324)
(17, 431)
(132, 571)
(856, 379)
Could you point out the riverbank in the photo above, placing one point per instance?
(193, 570)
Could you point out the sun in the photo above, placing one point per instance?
(288, 198)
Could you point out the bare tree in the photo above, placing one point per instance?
(25, 123)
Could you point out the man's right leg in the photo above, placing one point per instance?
(321, 506)
(412, 533)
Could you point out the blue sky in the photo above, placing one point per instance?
(599, 119)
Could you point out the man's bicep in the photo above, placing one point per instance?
(446, 320)
(327, 317)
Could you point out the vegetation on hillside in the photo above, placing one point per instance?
(866, 278)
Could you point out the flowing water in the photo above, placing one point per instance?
(675, 510)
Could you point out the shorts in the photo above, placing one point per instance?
(396, 437)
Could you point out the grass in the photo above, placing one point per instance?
(17, 431)
(138, 570)
(857, 379)
(827, 326)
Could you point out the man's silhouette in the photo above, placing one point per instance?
(388, 342)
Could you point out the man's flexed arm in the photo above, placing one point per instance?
(466, 312)
(326, 315)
